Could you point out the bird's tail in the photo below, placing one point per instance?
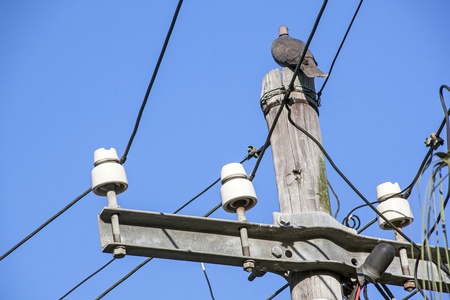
(311, 70)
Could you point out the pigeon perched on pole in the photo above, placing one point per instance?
(287, 52)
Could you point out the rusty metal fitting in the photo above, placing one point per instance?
(119, 252)
(248, 265)
(409, 285)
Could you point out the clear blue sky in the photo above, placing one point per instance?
(72, 78)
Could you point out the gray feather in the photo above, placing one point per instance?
(287, 52)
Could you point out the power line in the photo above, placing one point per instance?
(143, 263)
(45, 224)
(339, 50)
(288, 91)
(252, 153)
(445, 269)
(441, 265)
(381, 291)
(124, 278)
(149, 88)
(278, 291)
(425, 162)
(86, 279)
(124, 157)
(207, 280)
(446, 119)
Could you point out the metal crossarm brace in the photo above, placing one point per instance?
(308, 241)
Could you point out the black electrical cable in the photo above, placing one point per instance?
(86, 279)
(201, 193)
(250, 155)
(216, 181)
(443, 267)
(339, 50)
(387, 290)
(447, 122)
(124, 278)
(411, 294)
(405, 192)
(288, 91)
(213, 210)
(278, 291)
(382, 293)
(438, 132)
(366, 226)
(446, 119)
(425, 162)
(45, 224)
(149, 88)
(144, 263)
(207, 281)
(365, 292)
(347, 217)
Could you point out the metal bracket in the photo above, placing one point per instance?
(310, 241)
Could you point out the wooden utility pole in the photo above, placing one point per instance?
(299, 169)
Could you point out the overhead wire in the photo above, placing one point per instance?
(381, 291)
(424, 164)
(150, 85)
(252, 153)
(249, 156)
(278, 291)
(349, 183)
(124, 278)
(124, 156)
(142, 264)
(445, 202)
(45, 224)
(207, 280)
(288, 91)
(87, 278)
(387, 290)
(339, 50)
(446, 119)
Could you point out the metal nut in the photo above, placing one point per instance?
(284, 220)
(277, 251)
(409, 285)
(248, 265)
(119, 252)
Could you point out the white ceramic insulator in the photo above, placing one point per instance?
(396, 209)
(387, 189)
(108, 174)
(236, 188)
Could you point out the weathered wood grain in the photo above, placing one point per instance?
(299, 169)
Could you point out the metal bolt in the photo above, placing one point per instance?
(409, 285)
(248, 265)
(284, 220)
(119, 252)
(277, 251)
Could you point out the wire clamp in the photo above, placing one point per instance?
(434, 141)
(253, 152)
